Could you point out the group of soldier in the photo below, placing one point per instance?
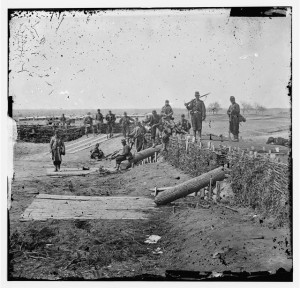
(159, 125)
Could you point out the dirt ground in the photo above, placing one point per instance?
(198, 238)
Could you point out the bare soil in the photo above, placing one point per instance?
(199, 238)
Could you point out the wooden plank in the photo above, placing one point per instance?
(50, 172)
(109, 208)
(85, 146)
(89, 139)
(93, 198)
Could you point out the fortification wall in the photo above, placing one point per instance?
(257, 180)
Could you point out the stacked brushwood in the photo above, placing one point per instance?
(43, 134)
(258, 182)
(262, 184)
(194, 161)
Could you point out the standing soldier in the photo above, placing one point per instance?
(99, 121)
(184, 125)
(63, 120)
(198, 112)
(110, 119)
(125, 122)
(154, 121)
(167, 111)
(57, 148)
(138, 136)
(88, 123)
(233, 113)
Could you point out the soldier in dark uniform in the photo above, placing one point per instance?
(138, 136)
(57, 148)
(125, 155)
(125, 122)
(154, 121)
(184, 124)
(167, 111)
(99, 121)
(110, 119)
(63, 120)
(88, 123)
(198, 113)
(234, 123)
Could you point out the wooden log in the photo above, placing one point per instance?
(146, 153)
(189, 186)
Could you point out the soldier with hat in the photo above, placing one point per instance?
(167, 111)
(124, 155)
(155, 122)
(88, 123)
(198, 113)
(125, 122)
(233, 113)
(110, 119)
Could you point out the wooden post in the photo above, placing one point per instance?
(208, 144)
(200, 144)
(218, 187)
(255, 154)
(210, 188)
(155, 157)
(187, 144)
(213, 148)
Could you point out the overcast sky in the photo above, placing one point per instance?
(135, 59)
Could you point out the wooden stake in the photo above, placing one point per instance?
(213, 148)
(155, 156)
(210, 188)
(218, 186)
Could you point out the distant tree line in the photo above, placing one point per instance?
(246, 107)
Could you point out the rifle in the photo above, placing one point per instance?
(187, 104)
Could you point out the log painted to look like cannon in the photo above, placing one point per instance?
(146, 153)
(190, 186)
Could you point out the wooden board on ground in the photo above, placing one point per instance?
(71, 172)
(66, 207)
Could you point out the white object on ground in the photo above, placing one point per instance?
(152, 239)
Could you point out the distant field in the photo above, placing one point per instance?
(81, 112)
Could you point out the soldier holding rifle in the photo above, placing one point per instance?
(198, 113)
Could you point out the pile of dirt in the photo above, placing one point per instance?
(202, 237)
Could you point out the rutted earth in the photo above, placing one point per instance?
(200, 238)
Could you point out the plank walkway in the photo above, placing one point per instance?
(70, 172)
(64, 207)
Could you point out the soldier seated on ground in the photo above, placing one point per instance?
(97, 153)
(278, 141)
(124, 155)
